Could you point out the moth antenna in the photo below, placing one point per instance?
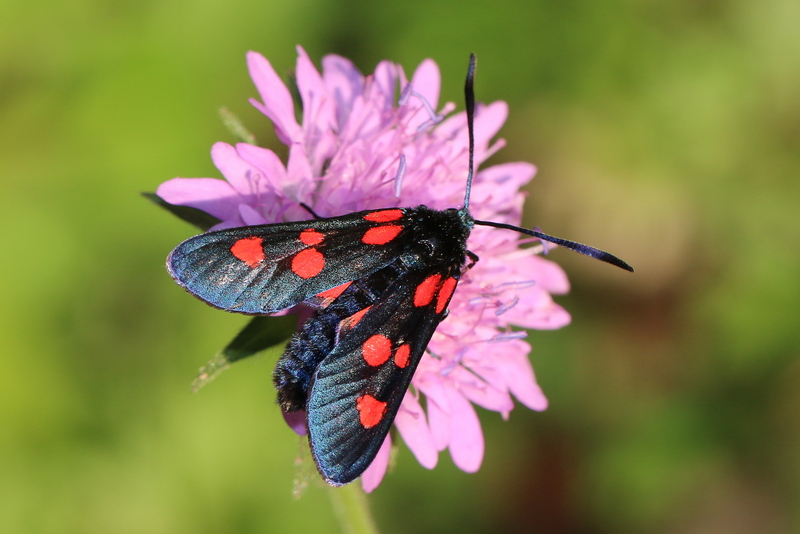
(572, 245)
(469, 96)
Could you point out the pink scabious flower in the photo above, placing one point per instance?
(377, 141)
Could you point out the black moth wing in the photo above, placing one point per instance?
(321, 332)
(355, 396)
(262, 269)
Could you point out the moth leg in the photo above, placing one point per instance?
(309, 210)
(473, 259)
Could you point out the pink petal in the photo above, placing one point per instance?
(278, 104)
(522, 382)
(312, 91)
(488, 397)
(488, 394)
(550, 276)
(413, 428)
(343, 82)
(385, 80)
(240, 174)
(299, 179)
(439, 421)
(215, 197)
(507, 176)
(550, 317)
(250, 217)
(489, 121)
(318, 112)
(426, 85)
(371, 478)
(466, 444)
(266, 161)
(427, 82)
(296, 421)
(430, 383)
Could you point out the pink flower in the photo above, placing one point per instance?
(376, 141)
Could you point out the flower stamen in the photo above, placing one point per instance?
(401, 173)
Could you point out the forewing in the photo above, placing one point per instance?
(267, 268)
(359, 386)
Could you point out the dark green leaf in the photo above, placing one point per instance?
(193, 216)
(261, 333)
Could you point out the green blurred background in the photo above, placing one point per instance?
(665, 131)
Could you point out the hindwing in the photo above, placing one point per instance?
(321, 332)
(357, 389)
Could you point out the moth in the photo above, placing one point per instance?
(379, 282)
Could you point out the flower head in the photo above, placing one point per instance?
(377, 141)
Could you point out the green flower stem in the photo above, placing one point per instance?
(352, 509)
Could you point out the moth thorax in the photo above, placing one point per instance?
(440, 237)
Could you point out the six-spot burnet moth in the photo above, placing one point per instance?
(379, 281)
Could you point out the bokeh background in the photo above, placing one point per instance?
(666, 132)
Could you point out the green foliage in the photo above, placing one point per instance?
(260, 334)
(664, 132)
(193, 216)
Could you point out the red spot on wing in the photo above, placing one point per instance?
(311, 237)
(424, 293)
(402, 354)
(380, 235)
(384, 216)
(334, 292)
(445, 293)
(350, 322)
(308, 263)
(249, 250)
(376, 350)
(370, 410)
